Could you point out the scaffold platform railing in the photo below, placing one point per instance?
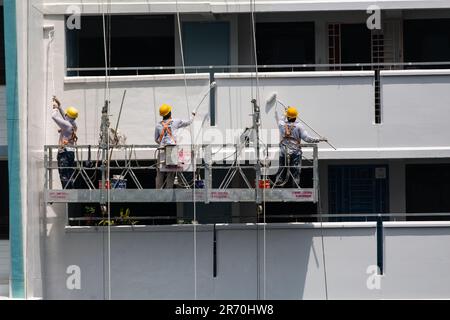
(223, 173)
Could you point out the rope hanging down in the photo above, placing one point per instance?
(257, 142)
(105, 133)
(51, 70)
(180, 39)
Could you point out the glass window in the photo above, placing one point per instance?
(426, 40)
(285, 43)
(136, 41)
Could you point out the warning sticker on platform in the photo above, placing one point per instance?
(58, 195)
(302, 194)
(220, 195)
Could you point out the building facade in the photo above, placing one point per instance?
(372, 79)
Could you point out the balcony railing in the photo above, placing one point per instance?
(99, 71)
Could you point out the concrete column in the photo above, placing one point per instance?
(321, 41)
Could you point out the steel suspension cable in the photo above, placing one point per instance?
(107, 97)
(257, 87)
(193, 155)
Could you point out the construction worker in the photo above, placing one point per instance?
(67, 141)
(165, 134)
(291, 133)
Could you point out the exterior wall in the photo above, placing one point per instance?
(397, 179)
(413, 257)
(37, 109)
(16, 63)
(412, 114)
(3, 129)
(140, 111)
(346, 99)
(162, 267)
(329, 101)
(339, 105)
(324, 100)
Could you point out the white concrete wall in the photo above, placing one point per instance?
(140, 111)
(3, 122)
(336, 104)
(158, 262)
(34, 133)
(414, 257)
(339, 105)
(332, 103)
(415, 108)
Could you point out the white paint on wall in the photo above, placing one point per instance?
(415, 108)
(416, 261)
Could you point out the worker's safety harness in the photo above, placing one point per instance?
(288, 133)
(64, 143)
(166, 129)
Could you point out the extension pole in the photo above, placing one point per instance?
(104, 147)
(308, 125)
(117, 124)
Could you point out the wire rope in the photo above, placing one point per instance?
(193, 161)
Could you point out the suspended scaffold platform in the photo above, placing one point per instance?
(223, 173)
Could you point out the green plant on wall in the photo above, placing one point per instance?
(123, 219)
(106, 222)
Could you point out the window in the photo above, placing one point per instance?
(427, 189)
(355, 43)
(136, 41)
(206, 43)
(285, 43)
(4, 201)
(350, 43)
(358, 189)
(426, 40)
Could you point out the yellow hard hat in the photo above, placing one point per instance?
(72, 113)
(164, 110)
(291, 113)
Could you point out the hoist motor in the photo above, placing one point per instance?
(171, 156)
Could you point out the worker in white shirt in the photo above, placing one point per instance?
(165, 134)
(291, 136)
(67, 141)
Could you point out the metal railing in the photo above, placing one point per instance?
(271, 218)
(239, 179)
(261, 68)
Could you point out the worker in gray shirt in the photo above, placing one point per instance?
(165, 134)
(291, 135)
(67, 141)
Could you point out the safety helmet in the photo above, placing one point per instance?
(72, 113)
(291, 113)
(164, 110)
